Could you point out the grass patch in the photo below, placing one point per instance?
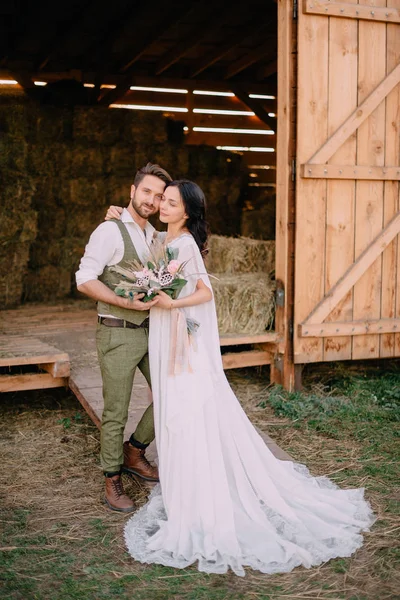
(58, 542)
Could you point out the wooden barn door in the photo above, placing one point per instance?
(347, 250)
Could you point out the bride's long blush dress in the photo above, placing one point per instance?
(224, 500)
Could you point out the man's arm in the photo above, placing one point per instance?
(100, 251)
(98, 291)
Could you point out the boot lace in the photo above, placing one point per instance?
(118, 487)
(144, 460)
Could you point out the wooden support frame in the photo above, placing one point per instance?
(353, 274)
(252, 358)
(329, 8)
(35, 381)
(337, 329)
(358, 116)
(325, 171)
(56, 369)
(254, 106)
(268, 337)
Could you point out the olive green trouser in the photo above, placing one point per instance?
(120, 351)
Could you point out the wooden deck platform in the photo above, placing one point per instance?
(18, 351)
(71, 327)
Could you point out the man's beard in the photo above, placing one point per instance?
(140, 211)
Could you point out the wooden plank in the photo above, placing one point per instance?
(82, 396)
(56, 369)
(389, 14)
(369, 194)
(252, 358)
(362, 112)
(35, 381)
(284, 233)
(28, 351)
(353, 274)
(339, 241)
(391, 255)
(312, 171)
(340, 328)
(238, 339)
(312, 130)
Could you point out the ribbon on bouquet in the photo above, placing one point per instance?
(179, 345)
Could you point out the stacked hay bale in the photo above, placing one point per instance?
(61, 167)
(18, 219)
(243, 285)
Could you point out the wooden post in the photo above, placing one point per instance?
(282, 370)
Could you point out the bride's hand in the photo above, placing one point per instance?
(164, 301)
(113, 212)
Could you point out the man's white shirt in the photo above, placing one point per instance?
(106, 247)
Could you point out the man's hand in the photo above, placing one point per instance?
(98, 291)
(113, 212)
(137, 304)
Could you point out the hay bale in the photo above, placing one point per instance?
(122, 161)
(13, 152)
(245, 303)
(240, 255)
(47, 283)
(142, 127)
(14, 259)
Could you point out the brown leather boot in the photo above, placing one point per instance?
(115, 497)
(135, 463)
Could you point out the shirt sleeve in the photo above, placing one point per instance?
(102, 249)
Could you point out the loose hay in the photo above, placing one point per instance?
(240, 255)
(245, 303)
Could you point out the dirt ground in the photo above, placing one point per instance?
(59, 542)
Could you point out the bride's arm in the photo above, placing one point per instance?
(113, 212)
(202, 295)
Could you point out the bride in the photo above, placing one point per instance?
(223, 500)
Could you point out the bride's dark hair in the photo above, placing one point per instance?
(195, 206)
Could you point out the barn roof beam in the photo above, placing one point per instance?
(267, 70)
(165, 17)
(197, 33)
(248, 59)
(252, 87)
(24, 79)
(253, 105)
(65, 30)
(237, 38)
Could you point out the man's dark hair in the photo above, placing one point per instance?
(154, 170)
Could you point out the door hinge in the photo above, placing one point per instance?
(295, 8)
(290, 327)
(294, 169)
(280, 296)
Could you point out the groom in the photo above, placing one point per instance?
(122, 332)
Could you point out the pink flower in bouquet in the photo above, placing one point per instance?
(143, 274)
(173, 266)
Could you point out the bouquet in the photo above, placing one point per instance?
(161, 271)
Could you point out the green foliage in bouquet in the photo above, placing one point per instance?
(161, 271)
